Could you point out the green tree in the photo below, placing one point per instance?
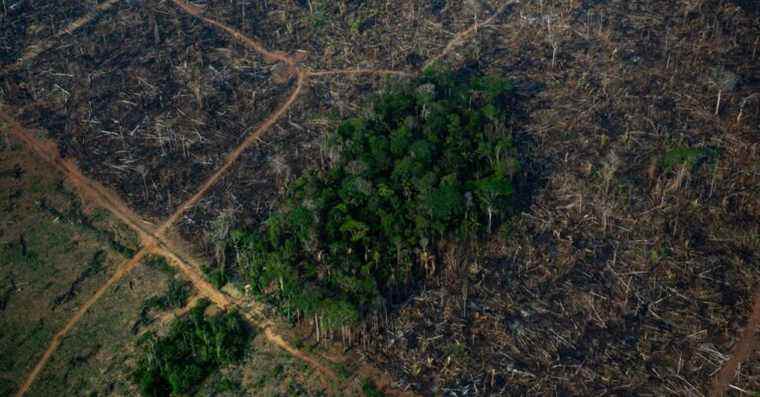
(431, 161)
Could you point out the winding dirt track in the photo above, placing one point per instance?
(462, 36)
(58, 338)
(271, 56)
(157, 242)
(742, 351)
(235, 154)
(35, 51)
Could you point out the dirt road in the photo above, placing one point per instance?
(58, 338)
(154, 240)
(742, 351)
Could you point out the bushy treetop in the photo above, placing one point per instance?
(433, 160)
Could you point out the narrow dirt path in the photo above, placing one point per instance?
(278, 341)
(356, 72)
(271, 56)
(253, 312)
(462, 36)
(58, 338)
(93, 192)
(232, 157)
(155, 241)
(742, 351)
(35, 51)
(204, 288)
(174, 314)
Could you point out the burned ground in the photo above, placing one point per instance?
(250, 192)
(25, 24)
(147, 99)
(369, 34)
(631, 264)
(633, 270)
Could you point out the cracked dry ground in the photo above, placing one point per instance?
(627, 272)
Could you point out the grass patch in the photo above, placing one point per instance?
(95, 266)
(39, 336)
(688, 157)
(75, 216)
(176, 296)
(19, 254)
(227, 385)
(7, 387)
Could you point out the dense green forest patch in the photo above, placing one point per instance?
(195, 346)
(433, 161)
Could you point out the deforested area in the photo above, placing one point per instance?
(102, 352)
(428, 197)
(147, 99)
(55, 251)
(349, 34)
(633, 270)
(27, 25)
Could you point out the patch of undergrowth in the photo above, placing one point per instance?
(159, 263)
(195, 347)
(74, 215)
(95, 266)
(175, 298)
(691, 158)
(19, 254)
(227, 385)
(370, 390)
(217, 277)
(7, 387)
(432, 162)
(177, 293)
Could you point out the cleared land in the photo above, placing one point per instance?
(147, 99)
(99, 355)
(634, 262)
(54, 253)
